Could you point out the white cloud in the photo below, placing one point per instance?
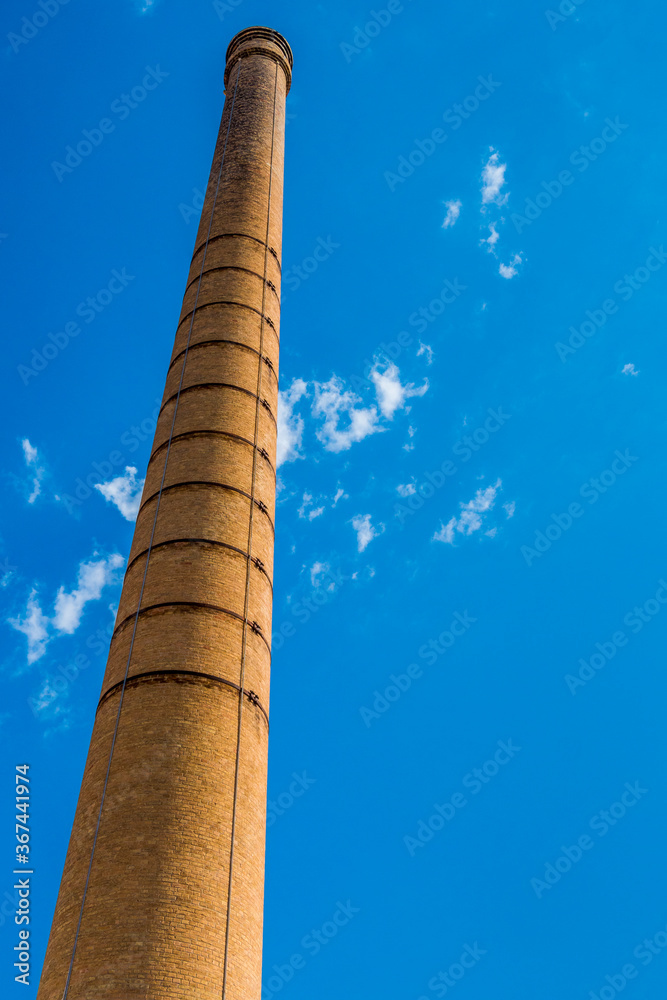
(92, 578)
(290, 424)
(306, 511)
(31, 456)
(630, 370)
(34, 627)
(47, 694)
(509, 509)
(6, 572)
(340, 495)
(30, 453)
(391, 394)
(510, 270)
(366, 532)
(493, 180)
(317, 573)
(343, 418)
(491, 239)
(339, 405)
(453, 212)
(470, 519)
(124, 492)
(52, 709)
(411, 433)
(446, 532)
(406, 490)
(427, 350)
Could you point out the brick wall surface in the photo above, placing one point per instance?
(197, 594)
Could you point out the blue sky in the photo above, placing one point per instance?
(468, 609)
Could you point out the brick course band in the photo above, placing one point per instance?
(201, 541)
(236, 236)
(224, 340)
(217, 385)
(162, 890)
(188, 604)
(222, 302)
(225, 434)
(235, 267)
(204, 482)
(180, 676)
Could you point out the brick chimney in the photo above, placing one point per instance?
(162, 891)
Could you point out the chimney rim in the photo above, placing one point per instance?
(258, 34)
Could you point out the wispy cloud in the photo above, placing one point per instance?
(7, 572)
(307, 511)
(630, 370)
(406, 489)
(509, 508)
(344, 417)
(340, 495)
(366, 531)
(492, 239)
(511, 270)
(317, 573)
(493, 180)
(453, 212)
(470, 519)
(124, 492)
(409, 446)
(345, 420)
(32, 461)
(391, 393)
(427, 351)
(92, 577)
(34, 626)
(290, 424)
(51, 708)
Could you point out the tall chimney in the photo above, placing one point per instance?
(162, 891)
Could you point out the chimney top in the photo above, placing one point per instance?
(259, 39)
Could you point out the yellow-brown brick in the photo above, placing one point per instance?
(197, 592)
